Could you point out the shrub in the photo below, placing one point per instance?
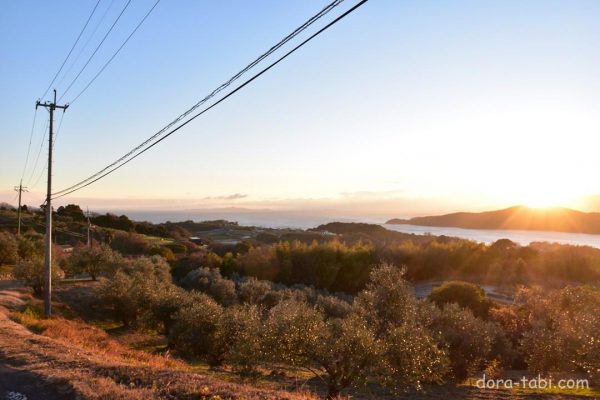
(388, 300)
(333, 307)
(293, 331)
(8, 248)
(31, 246)
(131, 293)
(94, 261)
(253, 291)
(130, 243)
(465, 294)
(411, 355)
(566, 319)
(212, 283)
(240, 336)
(164, 252)
(468, 339)
(349, 353)
(194, 333)
(164, 304)
(32, 272)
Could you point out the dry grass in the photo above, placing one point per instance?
(82, 361)
(94, 339)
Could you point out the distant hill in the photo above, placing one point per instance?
(518, 217)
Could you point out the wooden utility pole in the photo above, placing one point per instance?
(19, 189)
(89, 225)
(48, 254)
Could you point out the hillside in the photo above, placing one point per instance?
(518, 217)
(68, 359)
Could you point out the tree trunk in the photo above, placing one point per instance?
(333, 393)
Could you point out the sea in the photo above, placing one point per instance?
(306, 220)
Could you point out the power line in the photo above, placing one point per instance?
(96, 50)
(72, 47)
(53, 143)
(29, 145)
(37, 158)
(116, 52)
(216, 91)
(89, 39)
(64, 193)
(61, 230)
(37, 180)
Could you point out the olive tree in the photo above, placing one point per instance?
(8, 248)
(410, 356)
(194, 333)
(32, 273)
(93, 261)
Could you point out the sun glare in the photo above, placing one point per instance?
(543, 197)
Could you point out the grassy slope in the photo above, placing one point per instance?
(77, 359)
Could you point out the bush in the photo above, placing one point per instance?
(389, 307)
(130, 243)
(93, 261)
(465, 294)
(31, 246)
(8, 248)
(32, 273)
(293, 331)
(240, 336)
(132, 292)
(164, 304)
(333, 307)
(212, 283)
(566, 319)
(467, 339)
(349, 353)
(164, 252)
(196, 328)
(253, 291)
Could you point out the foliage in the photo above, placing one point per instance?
(32, 273)
(8, 248)
(468, 340)
(566, 319)
(164, 252)
(332, 265)
(253, 291)
(72, 211)
(240, 336)
(112, 221)
(94, 261)
(465, 294)
(130, 243)
(195, 331)
(131, 292)
(389, 307)
(31, 246)
(211, 282)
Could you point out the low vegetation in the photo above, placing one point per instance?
(340, 309)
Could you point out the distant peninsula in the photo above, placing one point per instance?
(516, 218)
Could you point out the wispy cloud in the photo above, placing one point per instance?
(235, 196)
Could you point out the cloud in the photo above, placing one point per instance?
(235, 196)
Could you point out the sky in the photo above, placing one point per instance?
(403, 108)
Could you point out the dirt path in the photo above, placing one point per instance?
(16, 384)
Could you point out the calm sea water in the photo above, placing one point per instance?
(491, 235)
(306, 220)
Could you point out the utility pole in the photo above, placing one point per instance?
(20, 189)
(48, 255)
(89, 225)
